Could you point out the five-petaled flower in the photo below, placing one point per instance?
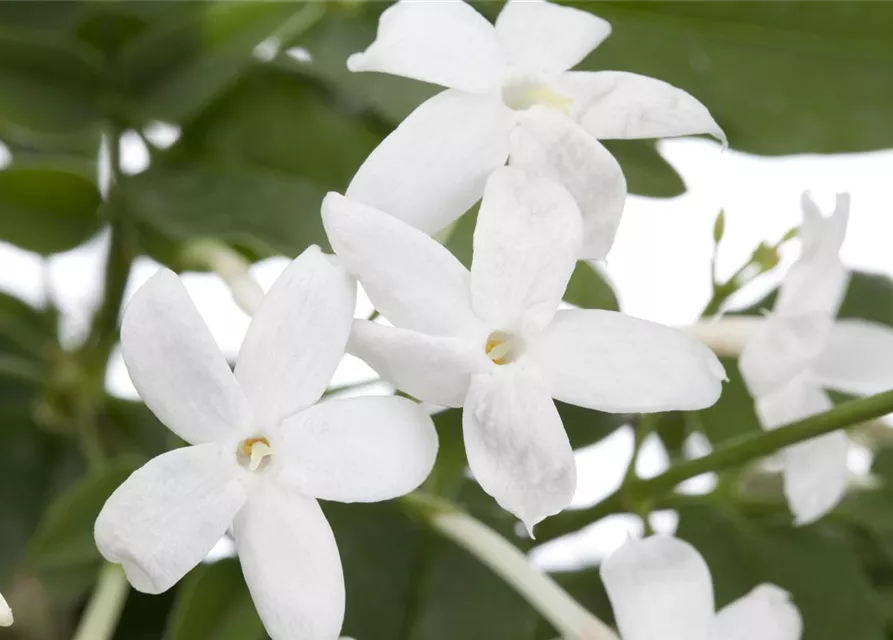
(660, 589)
(800, 350)
(493, 341)
(510, 94)
(262, 450)
(5, 613)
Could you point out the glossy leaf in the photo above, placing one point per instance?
(47, 210)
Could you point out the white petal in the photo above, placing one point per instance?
(617, 104)
(782, 348)
(433, 369)
(432, 168)
(445, 43)
(291, 565)
(815, 471)
(5, 614)
(858, 358)
(516, 445)
(176, 366)
(411, 279)
(820, 235)
(297, 337)
(525, 248)
(613, 362)
(766, 613)
(550, 145)
(168, 514)
(660, 588)
(363, 449)
(548, 38)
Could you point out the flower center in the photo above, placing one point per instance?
(524, 95)
(501, 347)
(253, 453)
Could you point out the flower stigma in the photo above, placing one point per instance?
(501, 347)
(253, 453)
(524, 95)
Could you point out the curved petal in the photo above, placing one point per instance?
(543, 37)
(660, 587)
(413, 280)
(821, 235)
(617, 104)
(169, 513)
(858, 358)
(433, 369)
(613, 362)
(782, 348)
(291, 565)
(766, 613)
(297, 337)
(516, 445)
(553, 146)
(815, 286)
(364, 449)
(432, 168)
(525, 248)
(6, 619)
(815, 471)
(176, 366)
(445, 43)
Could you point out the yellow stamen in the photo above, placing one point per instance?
(255, 451)
(548, 98)
(498, 347)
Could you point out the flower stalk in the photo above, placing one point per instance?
(568, 617)
(106, 604)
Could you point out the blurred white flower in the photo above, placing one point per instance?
(661, 588)
(262, 450)
(5, 613)
(509, 92)
(801, 349)
(493, 341)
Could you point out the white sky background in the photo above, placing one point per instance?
(659, 266)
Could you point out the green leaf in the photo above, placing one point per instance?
(213, 603)
(64, 537)
(47, 210)
(175, 70)
(818, 567)
(869, 297)
(646, 171)
(265, 212)
(47, 85)
(765, 69)
(589, 289)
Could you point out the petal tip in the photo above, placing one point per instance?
(357, 62)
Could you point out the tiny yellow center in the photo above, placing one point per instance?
(253, 452)
(524, 96)
(499, 347)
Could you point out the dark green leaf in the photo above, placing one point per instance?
(47, 210)
(214, 604)
(589, 289)
(175, 70)
(646, 171)
(47, 85)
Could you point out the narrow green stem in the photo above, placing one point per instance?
(106, 604)
(568, 617)
(734, 453)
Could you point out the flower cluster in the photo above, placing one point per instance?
(520, 132)
(801, 350)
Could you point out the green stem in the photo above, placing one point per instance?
(734, 453)
(106, 604)
(568, 617)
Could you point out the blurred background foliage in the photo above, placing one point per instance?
(264, 135)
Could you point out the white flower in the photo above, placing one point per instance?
(493, 341)
(433, 167)
(800, 350)
(660, 589)
(262, 451)
(5, 613)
